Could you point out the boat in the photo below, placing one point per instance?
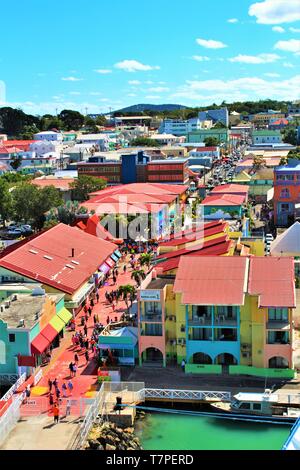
(263, 406)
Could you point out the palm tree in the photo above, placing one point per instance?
(138, 275)
(146, 259)
(128, 292)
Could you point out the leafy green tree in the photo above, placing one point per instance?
(16, 162)
(220, 125)
(128, 293)
(66, 213)
(101, 121)
(146, 259)
(144, 142)
(138, 276)
(85, 185)
(290, 135)
(49, 122)
(31, 203)
(211, 142)
(72, 120)
(28, 132)
(5, 201)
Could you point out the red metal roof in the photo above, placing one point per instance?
(202, 244)
(187, 236)
(224, 200)
(272, 279)
(211, 280)
(231, 189)
(47, 258)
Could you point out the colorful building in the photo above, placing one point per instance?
(232, 312)
(222, 135)
(286, 192)
(31, 324)
(65, 260)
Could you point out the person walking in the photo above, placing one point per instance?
(90, 311)
(51, 399)
(64, 389)
(85, 329)
(124, 269)
(50, 385)
(86, 344)
(87, 357)
(76, 359)
(183, 365)
(97, 297)
(55, 382)
(95, 319)
(71, 369)
(107, 319)
(70, 386)
(74, 370)
(92, 303)
(68, 408)
(55, 410)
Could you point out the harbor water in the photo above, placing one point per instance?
(164, 431)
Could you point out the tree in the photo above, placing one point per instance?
(31, 203)
(144, 142)
(101, 121)
(66, 213)
(138, 276)
(290, 135)
(72, 120)
(28, 132)
(146, 259)
(85, 185)
(49, 122)
(211, 141)
(16, 162)
(128, 292)
(5, 201)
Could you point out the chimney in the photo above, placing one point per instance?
(73, 252)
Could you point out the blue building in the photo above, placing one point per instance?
(215, 115)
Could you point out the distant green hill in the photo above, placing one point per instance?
(141, 108)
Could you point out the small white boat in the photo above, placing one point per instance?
(278, 405)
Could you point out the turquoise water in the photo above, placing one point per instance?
(161, 431)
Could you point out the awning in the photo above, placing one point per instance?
(65, 315)
(39, 344)
(26, 361)
(57, 323)
(49, 332)
(110, 262)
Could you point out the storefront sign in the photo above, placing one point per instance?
(150, 295)
(104, 268)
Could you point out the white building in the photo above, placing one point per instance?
(200, 152)
(42, 147)
(49, 136)
(180, 127)
(167, 139)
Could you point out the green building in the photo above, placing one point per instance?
(221, 135)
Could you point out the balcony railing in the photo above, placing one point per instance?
(200, 321)
(222, 320)
(219, 320)
(151, 318)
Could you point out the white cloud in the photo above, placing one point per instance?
(159, 89)
(233, 20)
(149, 82)
(75, 93)
(295, 30)
(293, 45)
(276, 11)
(131, 94)
(248, 88)
(71, 79)
(278, 29)
(288, 65)
(200, 58)
(255, 59)
(134, 66)
(103, 71)
(95, 93)
(153, 97)
(272, 75)
(104, 100)
(211, 44)
(134, 82)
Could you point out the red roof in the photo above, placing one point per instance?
(47, 258)
(272, 279)
(94, 227)
(136, 198)
(62, 184)
(224, 200)
(22, 144)
(211, 280)
(206, 149)
(217, 247)
(198, 233)
(231, 188)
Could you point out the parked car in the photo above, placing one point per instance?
(15, 233)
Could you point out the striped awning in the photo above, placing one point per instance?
(57, 323)
(49, 332)
(65, 315)
(39, 344)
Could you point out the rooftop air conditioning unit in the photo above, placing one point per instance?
(14, 297)
(21, 322)
(2, 308)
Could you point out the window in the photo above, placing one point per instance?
(201, 334)
(245, 406)
(257, 406)
(278, 337)
(12, 337)
(285, 193)
(153, 329)
(278, 314)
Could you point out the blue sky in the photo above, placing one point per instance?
(100, 55)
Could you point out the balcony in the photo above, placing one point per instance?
(278, 337)
(203, 320)
(151, 318)
(223, 320)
